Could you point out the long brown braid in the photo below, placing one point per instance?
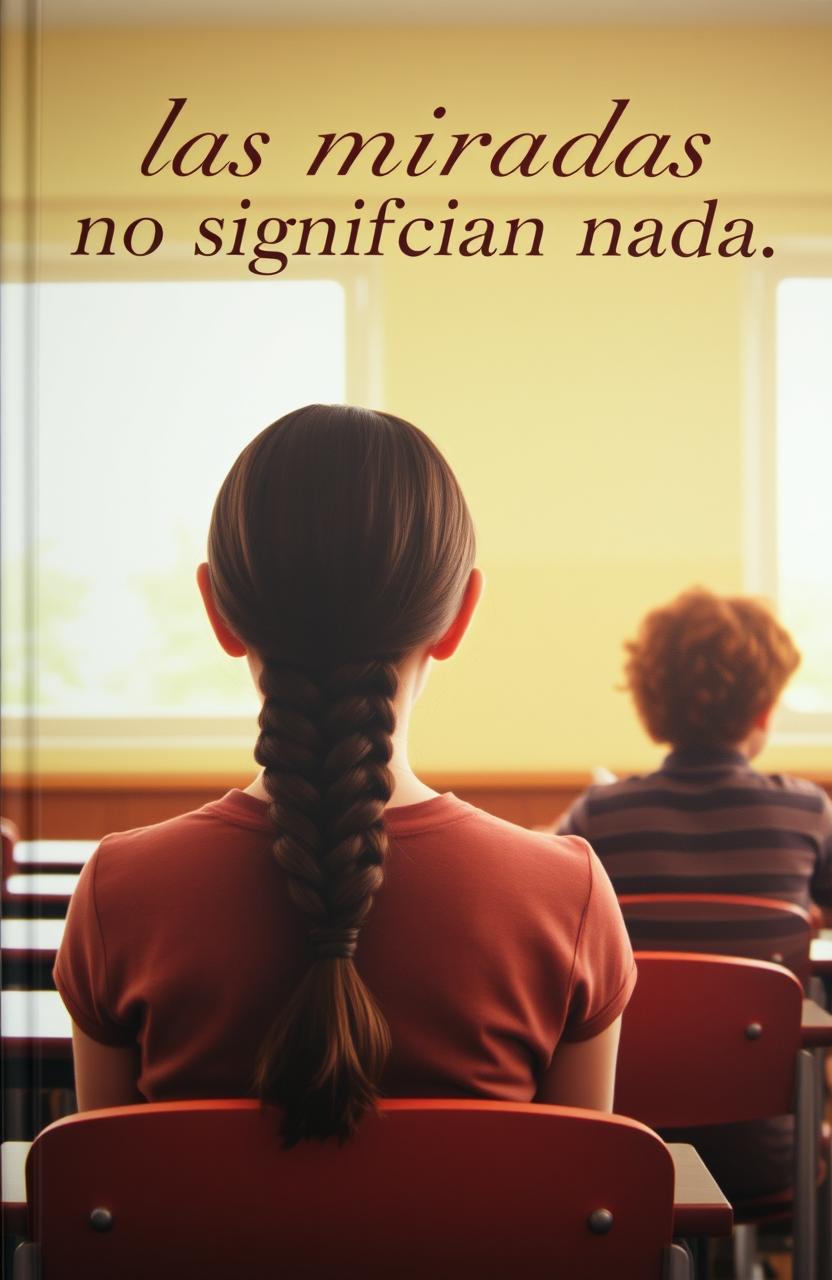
(339, 542)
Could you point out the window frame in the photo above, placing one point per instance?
(793, 258)
(70, 738)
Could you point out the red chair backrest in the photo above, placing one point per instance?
(428, 1188)
(723, 924)
(708, 1040)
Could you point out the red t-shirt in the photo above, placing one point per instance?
(486, 945)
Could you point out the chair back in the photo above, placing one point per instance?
(427, 1188)
(723, 924)
(708, 1040)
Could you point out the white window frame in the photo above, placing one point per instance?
(793, 257)
(71, 736)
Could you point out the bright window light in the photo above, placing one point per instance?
(803, 471)
(142, 395)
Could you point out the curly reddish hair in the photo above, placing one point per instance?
(704, 667)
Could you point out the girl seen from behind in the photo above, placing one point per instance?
(337, 929)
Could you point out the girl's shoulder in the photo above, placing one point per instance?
(451, 827)
(236, 820)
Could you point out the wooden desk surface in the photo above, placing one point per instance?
(67, 854)
(816, 1026)
(35, 1023)
(820, 952)
(30, 937)
(699, 1209)
(13, 1172)
(40, 884)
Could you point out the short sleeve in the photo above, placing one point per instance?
(821, 886)
(604, 971)
(80, 971)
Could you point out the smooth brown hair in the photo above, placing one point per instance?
(703, 668)
(339, 542)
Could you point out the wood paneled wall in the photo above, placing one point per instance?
(86, 807)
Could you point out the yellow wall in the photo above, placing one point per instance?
(593, 409)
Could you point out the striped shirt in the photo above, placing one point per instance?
(706, 822)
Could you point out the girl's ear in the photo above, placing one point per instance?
(764, 719)
(449, 642)
(230, 643)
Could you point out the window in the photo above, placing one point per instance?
(121, 416)
(790, 457)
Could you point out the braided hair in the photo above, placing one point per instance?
(339, 543)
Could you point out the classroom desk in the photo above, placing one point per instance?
(815, 1026)
(28, 947)
(23, 938)
(820, 952)
(40, 884)
(38, 894)
(38, 1019)
(53, 855)
(699, 1207)
(36, 1039)
(13, 1174)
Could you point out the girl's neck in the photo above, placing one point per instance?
(407, 788)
